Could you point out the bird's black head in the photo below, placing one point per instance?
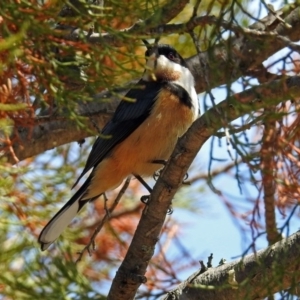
(168, 51)
(164, 64)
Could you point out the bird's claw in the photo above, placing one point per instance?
(170, 210)
(145, 199)
(156, 175)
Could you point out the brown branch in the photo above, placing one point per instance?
(150, 28)
(106, 217)
(237, 55)
(237, 129)
(215, 172)
(242, 53)
(262, 75)
(131, 273)
(55, 130)
(253, 277)
(268, 167)
(166, 13)
(32, 141)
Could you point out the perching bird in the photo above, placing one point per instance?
(164, 104)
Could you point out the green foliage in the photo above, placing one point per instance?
(29, 195)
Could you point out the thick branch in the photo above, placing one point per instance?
(131, 273)
(255, 276)
(55, 130)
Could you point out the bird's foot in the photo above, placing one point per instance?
(185, 178)
(145, 199)
(164, 162)
(170, 210)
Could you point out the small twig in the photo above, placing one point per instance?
(105, 204)
(215, 172)
(11, 150)
(286, 223)
(272, 12)
(92, 119)
(203, 268)
(204, 66)
(228, 142)
(209, 261)
(262, 74)
(106, 217)
(195, 9)
(268, 167)
(144, 29)
(242, 128)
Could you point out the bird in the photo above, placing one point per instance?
(142, 131)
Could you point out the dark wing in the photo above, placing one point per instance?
(127, 117)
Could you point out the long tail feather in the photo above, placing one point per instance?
(63, 218)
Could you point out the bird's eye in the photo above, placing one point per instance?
(171, 56)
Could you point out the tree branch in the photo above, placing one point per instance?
(268, 155)
(90, 246)
(242, 53)
(219, 171)
(131, 273)
(248, 278)
(52, 131)
(148, 27)
(61, 130)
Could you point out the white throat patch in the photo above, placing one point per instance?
(163, 69)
